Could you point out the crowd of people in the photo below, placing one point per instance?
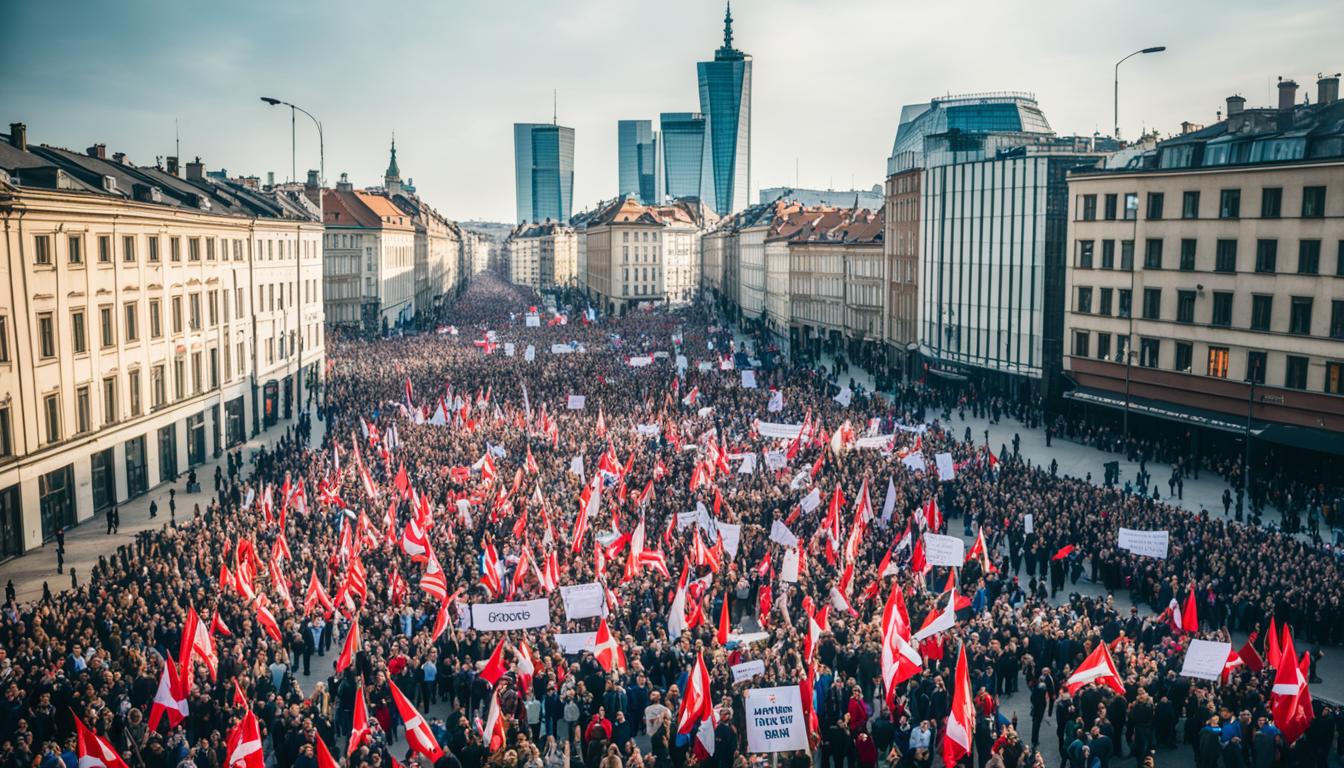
(471, 433)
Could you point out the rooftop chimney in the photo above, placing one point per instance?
(119, 157)
(312, 179)
(196, 170)
(97, 150)
(172, 165)
(1287, 95)
(18, 136)
(270, 178)
(1235, 104)
(1327, 89)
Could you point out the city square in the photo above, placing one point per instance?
(1024, 456)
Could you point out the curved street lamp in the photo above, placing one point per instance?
(321, 150)
(1153, 49)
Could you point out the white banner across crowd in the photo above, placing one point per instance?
(501, 617)
(1145, 543)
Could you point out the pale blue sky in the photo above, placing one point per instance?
(450, 77)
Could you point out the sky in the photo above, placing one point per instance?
(450, 77)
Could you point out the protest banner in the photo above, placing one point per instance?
(583, 601)
(747, 669)
(501, 617)
(1205, 659)
(946, 469)
(1145, 543)
(748, 379)
(944, 550)
(576, 402)
(575, 643)
(811, 501)
(775, 720)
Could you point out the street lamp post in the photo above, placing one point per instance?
(321, 149)
(1153, 49)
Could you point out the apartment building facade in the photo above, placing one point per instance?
(636, 254)
(369, 260)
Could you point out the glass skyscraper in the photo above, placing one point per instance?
(637, 155)
(685, 174)
(543, 156)
(725, 100)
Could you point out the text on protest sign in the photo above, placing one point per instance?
(944, 550)
(747, 670)
(583, 601)
(1146, 543)
(574, 643)
(500, 617)
(1204, 659)
(775, 719)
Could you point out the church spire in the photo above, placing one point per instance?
(392, 171)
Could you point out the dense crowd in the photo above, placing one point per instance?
(99, 651)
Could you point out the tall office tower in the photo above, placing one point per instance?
(685, 175)
(725, 100)
(543, 156)
(637, 151)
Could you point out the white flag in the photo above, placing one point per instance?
(776, 401)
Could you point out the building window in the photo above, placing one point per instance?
(1229, 204)
(1085, 300)
(78, 337)
(42, 249)
(4, 338)
(132, 324)
(1152, 303)
(1266, 255)
(155, 319)
(1337, 319)
(1256, 363)
(177, 314)
(109, 400)
(1299, 317)
(209, 249)
(1089, 207)
(1262, 312)
(46, 336)
(1155, 205)
(1111, 207)
(1108, 254)
(1334, 385)
(1218, 362)
(1149, 352)
(1190, 205)
(104, 249)
(179, 378)
(1185, 306)
(1127, 255)
(1225, 256)
(1081, 341)
(1152, 253)
(1126, 302)
(108, 332)
(1308, 257)
(75, 247)
(82, 411)
(1185, 352)
(133, 391)
(1103, 345)
(1188, 255)
(1271, 202)
(194, 249)
(158, 389)
(1313, 202)
(1222, 309)
(1295, 373)
(6, 433)
(175, 248)
(1084, 254)
(51, 411)
(1131, 206)
(128, 248)
(153, 248)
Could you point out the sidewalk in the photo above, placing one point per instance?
(89, 540)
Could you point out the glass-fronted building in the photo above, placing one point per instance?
(725, 100)
(682, 136)
(543, 171)
(637, 159)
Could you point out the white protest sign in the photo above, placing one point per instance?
(576, 402)
(788, 570)
(583, 601)
(509, 349)
(778, 431)
(704, 365)
(1028, 523)
(780, 534)
(746, 638)
(530, 353)
(561, 349)
(944, 550)
(811, 501)
(576, 466)
(533, 321)
(776, 401)
(686, 519)
(641, 361)
(732, 534)
(915, 462)
(776, 460)
(844, 398)
(574, 643)
(463, 615)
(748, 464)
(946, 470)
(500, 617)
(747, 670)
(648, 430)
(1146, 543)
(775, 719)
(748, 379)
(682, 363)
(1205, 659)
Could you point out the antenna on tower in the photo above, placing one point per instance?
(555, 108)
(177, 138)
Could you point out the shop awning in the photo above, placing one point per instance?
(1200, 417)
(1308, 438)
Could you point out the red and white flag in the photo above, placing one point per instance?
(697, 718)
(94, 751)
(170, 700)
(494, 731)
(267, 619)
(244, 744)
(961, 720)
(1098, 668)
(349, 649)
(418, 736)
(1290, 700)
(433, 581)
(359, 724)
(607, 650)
(980, 551)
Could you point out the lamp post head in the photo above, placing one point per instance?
(273, 102)
(1154, 49)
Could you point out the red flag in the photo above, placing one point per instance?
(1272, 651)
(1290, 700)
(349, 649)
(1063, 552)
(359, 724)
(1097, 668)
(607, 651)
(1190, 619)
(244, 744)
(239, 699)
(267, 619)
(722, 635)
(418, 736)
(494, 668)
(170, 700)
(93, 750)
(697, 717)
(494, 729)
(324, 758)
(961, 721)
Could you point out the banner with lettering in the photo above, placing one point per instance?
(775, 720)
(501, 617)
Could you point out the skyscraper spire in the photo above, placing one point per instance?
(728, 25)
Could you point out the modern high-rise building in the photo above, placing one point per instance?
(685, 164)
(637, 159)
(543, 156)
(725, 101)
